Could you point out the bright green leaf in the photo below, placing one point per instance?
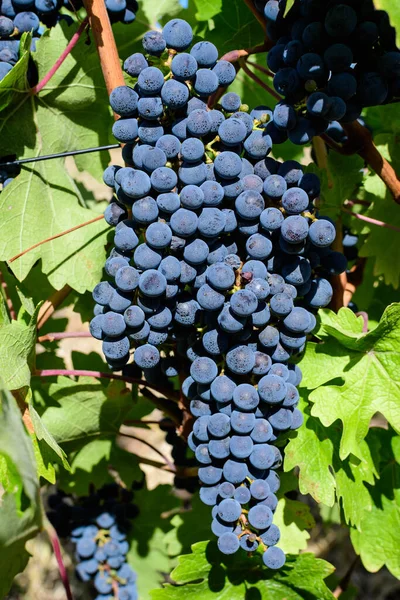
(98, 463)
(367, 366)
(15, 82)
(154, 10)
(293, 519)
(20, 512)
(323, 474)
(207, 9)
(17, 345)
(209, 574)
(46, 195)
(84, 409)
(377, 540)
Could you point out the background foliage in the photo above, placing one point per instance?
(345, 457)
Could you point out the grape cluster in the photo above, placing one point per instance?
(98, 526)
(330, 59)
(20, 16)
(220, 261)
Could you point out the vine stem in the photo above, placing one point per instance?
(10, 306)
(54, 237)
(359, 135)
(52, 337)
(165, 458)
(55, 542)
(260, 68)
(105, 43)
(254, 77)
(371, 220)
(51, 305)
(101, 375)
(364, 316)
(72, 43)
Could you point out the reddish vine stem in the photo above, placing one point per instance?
(72, 43)
(52, 337)
(101, 375)
(370, 220)
(55, 542)
(260, 68)
(364, 316)
(10, 306)
(165, 458)
(54, 237)
(259, 81)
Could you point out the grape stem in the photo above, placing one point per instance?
(52, 337)
(165, 458)
(364, 316)
(102, 375)
(54, 237)
(360, 142)
(55, 542)
(254, 77)
(370, 220)
(51, 305)
(361, 139)
(260, 68)
(345, 581)
(10, 306)
(72, 43)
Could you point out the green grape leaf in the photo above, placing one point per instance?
(148, 553)
(155, 10)
(15, 81)
(80, 411)
(4, 316)
(209, 574)
(323, 475)
(232, 28)
(366, 367)
(47, 451)
(20, 509)
(97, 463)
(339, 183)
(293, 519)
(376, 541)
(72, 110)
(17, 352)
(393, 9)
(207, 9)
(189, 525)
(47, 195)
(382, 244)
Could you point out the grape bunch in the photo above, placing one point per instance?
(220, 261)
(330, 59)
(98, 525)
(21, 16)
